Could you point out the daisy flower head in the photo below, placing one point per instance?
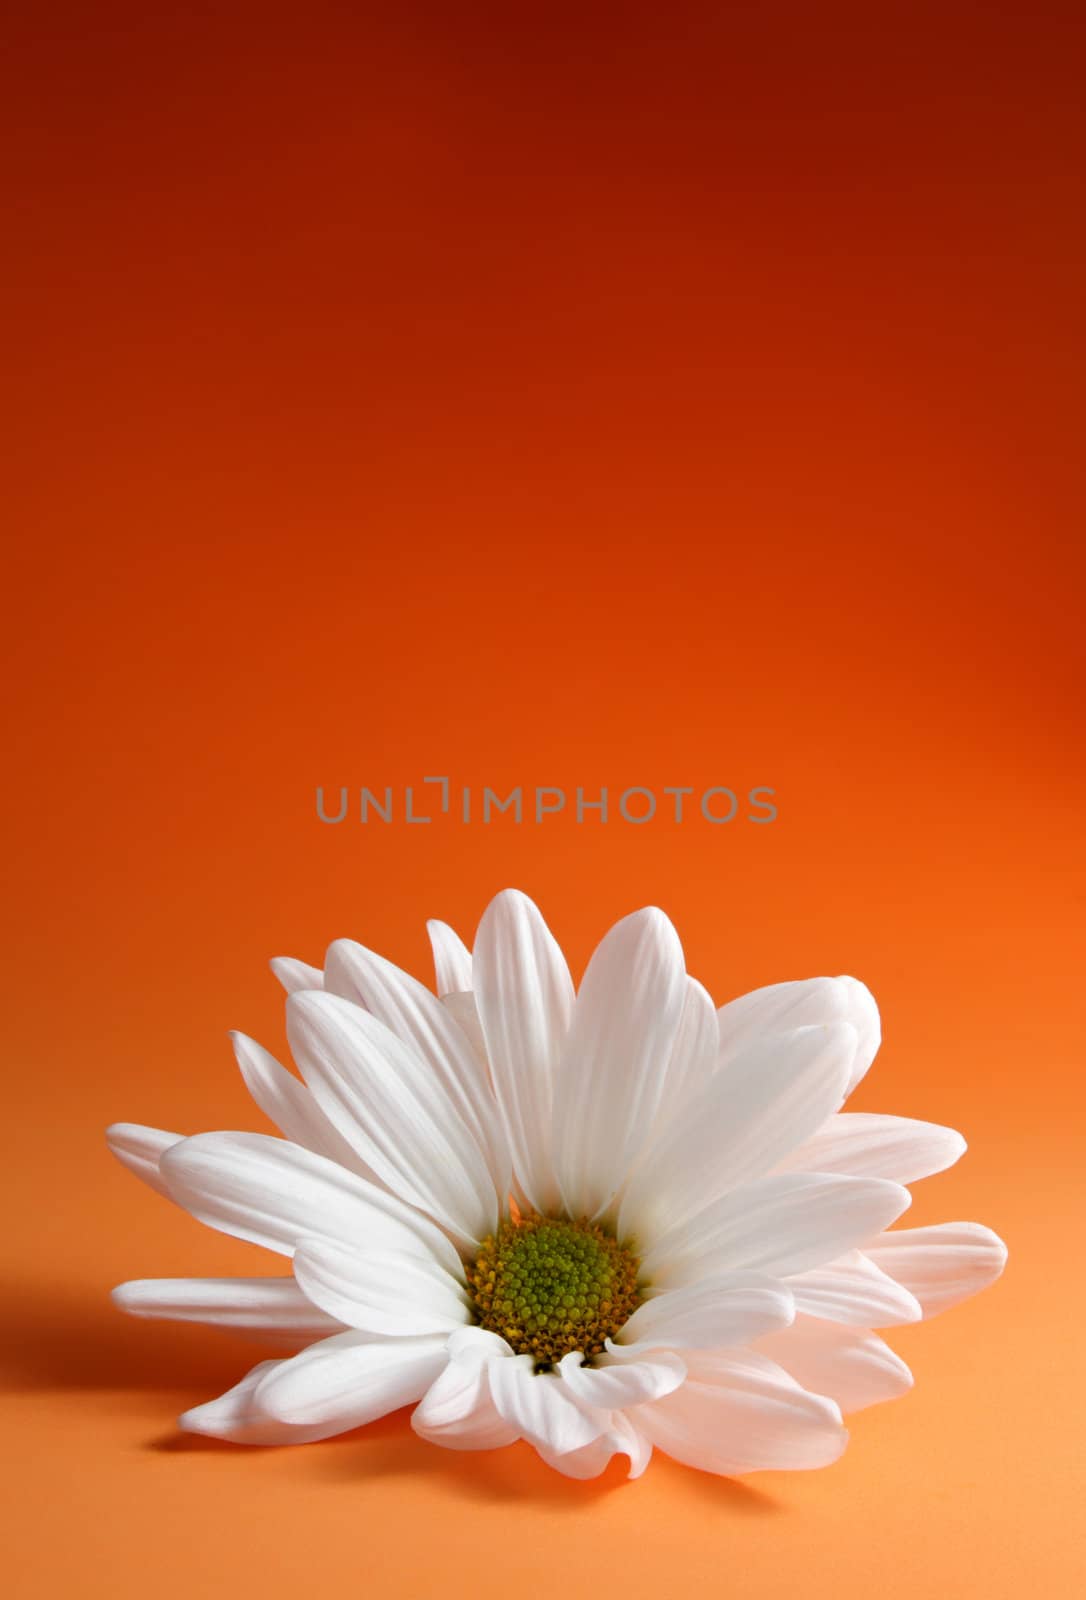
(602, 1220)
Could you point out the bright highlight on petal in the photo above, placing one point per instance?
(602, 1220)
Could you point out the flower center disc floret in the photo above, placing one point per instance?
(549, 1286)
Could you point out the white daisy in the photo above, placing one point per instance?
(599, 1221)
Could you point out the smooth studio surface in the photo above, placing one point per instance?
(559, 402)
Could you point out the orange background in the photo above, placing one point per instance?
(565, 395)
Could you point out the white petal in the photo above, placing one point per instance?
(940, 1265)
(850, 1365)
(524, 996)
(786, 1223)
(295, 975)
(236, 1416)
(613, 1385)
(621, 1438)
(722, 1311)
(766, 1101)
(871, 1146)
(274, 1193)
(863, 1014)
(275, 1305)
(853, 1290)
(380, 1291)
(385, 1100)
(347, 1380)
(614, 1067)
(141, 1150)
(476, 1345)
(694, 1056)
(812, 1001)
(465, 1013)
(742, 1413)
(414, 1015)
(779, 1008)
(290, 1106)
(452, 958)
(540, 1407)
(457, 1410)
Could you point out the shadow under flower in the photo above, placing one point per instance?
(515, 1474)
(62, 1337)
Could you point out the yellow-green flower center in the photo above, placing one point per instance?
(550, 1286)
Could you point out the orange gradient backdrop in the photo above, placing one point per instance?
(599, 395)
